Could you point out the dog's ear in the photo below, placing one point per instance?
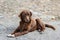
(30, 13)
(20, 14)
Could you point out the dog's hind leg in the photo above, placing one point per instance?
(40, 25)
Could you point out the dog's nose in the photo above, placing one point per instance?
(27, 17)
(26, 20)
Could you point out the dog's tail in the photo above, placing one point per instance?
(49, 26)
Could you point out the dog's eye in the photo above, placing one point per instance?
(24, 14)
(27, 14)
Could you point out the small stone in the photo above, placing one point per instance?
(53, 18)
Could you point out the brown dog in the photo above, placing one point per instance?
(28, 24)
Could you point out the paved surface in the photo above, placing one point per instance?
(48, 34)
(9, 25)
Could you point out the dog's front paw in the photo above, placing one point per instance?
(10, 35)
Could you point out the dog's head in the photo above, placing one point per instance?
(25, 16)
